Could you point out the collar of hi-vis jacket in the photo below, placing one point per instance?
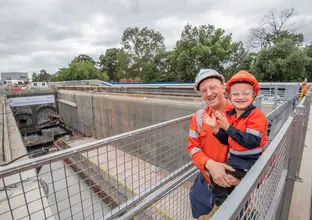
(228, 107)
(245, 114)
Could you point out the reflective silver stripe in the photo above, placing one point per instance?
(254, 132)
(247, 152)
(193, 133)
(194, 150)
(199, 119)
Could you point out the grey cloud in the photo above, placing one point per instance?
(303, 25)
(49, 34)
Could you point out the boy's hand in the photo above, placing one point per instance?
(210, 121)
(223, 121)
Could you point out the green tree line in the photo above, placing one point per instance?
(275, 52)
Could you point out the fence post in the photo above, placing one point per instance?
(275, 97)
(287, 92)
(259, 101)
(296, 140)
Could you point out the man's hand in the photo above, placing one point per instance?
(217, 172)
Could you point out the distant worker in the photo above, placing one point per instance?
(304, 90)
(206, 152)
(243, 128)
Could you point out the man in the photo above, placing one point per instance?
(207, 153)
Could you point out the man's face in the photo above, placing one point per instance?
(241, 95)
(212, 92)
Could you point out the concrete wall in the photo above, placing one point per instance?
(102, 114)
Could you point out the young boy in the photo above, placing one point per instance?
(243, 128)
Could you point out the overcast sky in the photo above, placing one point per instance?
(48, 34)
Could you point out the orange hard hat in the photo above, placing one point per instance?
(244, 77)
(303, 83)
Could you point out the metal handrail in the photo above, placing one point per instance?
(80, 82)
(232, 204)
(158, 194)
(278, 110)
(39, 161)
(135, 200)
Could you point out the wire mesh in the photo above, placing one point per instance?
(270, 177)
(278, 117)
(261, 195)
(173, 205)
(89, 183)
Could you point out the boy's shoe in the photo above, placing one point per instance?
(208, 216)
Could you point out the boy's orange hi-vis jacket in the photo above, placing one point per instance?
(203, 145)
(246, 136)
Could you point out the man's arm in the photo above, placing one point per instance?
(198, 157)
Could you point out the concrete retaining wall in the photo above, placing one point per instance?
(102, 114)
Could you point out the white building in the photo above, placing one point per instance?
(14, 77)
(38, 84)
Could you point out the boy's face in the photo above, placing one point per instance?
(241, 95)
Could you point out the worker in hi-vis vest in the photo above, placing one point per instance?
(206, 152)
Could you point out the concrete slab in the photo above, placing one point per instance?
(26, 200)
(301, 199)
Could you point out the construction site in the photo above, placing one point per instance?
(90, 150)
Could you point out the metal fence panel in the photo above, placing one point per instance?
(252, 198)
(266, 190)
(88, 181)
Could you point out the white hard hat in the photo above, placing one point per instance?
(204, 74)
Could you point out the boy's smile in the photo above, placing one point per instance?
(241, 95)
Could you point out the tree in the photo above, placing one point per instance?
(275, 27)
(83, 58)
(163, 66)
(157, 69)
(43, 76)
(284, 61)
(241, 60)
(308, 50)
(34, 77)
(141, 46)
(123, 63)
(108, 63)
(202, 47)
(80, 68)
